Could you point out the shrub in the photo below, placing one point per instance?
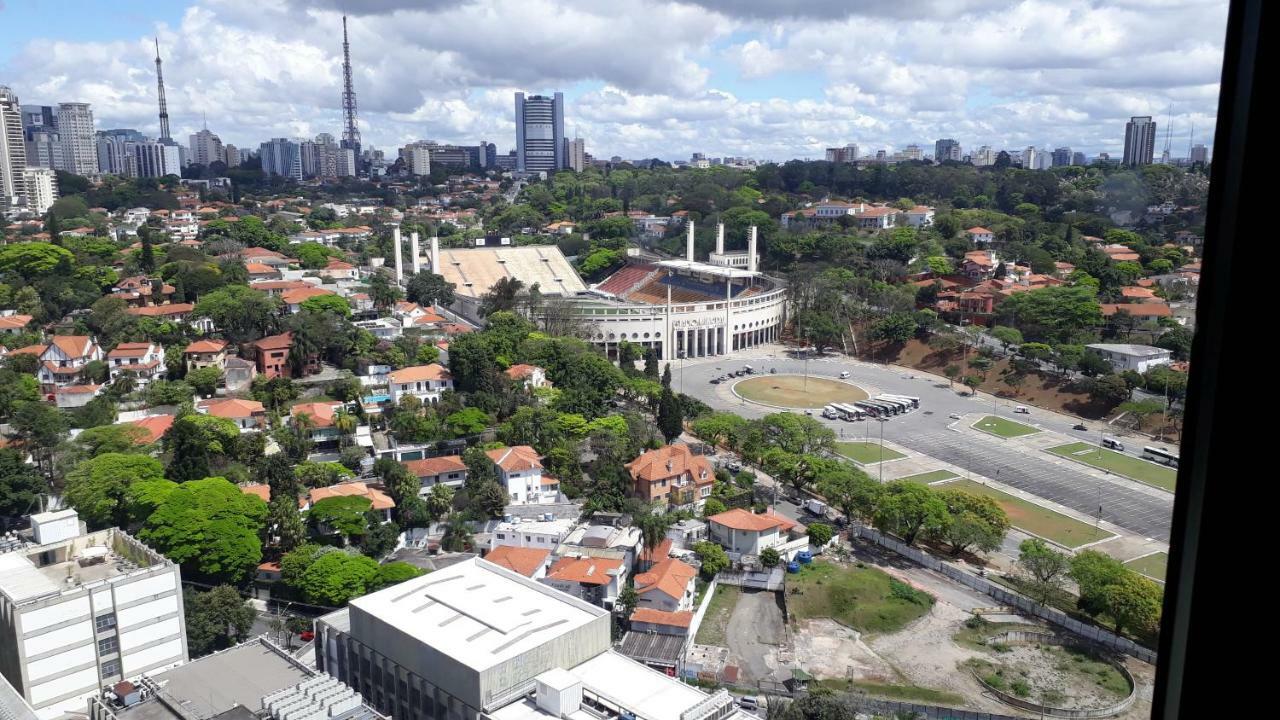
(903, 591)
(1020, 688)
(976, 622)
(770, 557)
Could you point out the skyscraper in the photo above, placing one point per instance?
(13, 152)
(42, 189)
(1061, 156)
(1139, 141)
(540, 133)
(575, 154)
(40, 127)
(1077, 158)
(157, 159)
(281, 156)
(946, 149)
(1199, 154)
(206, 148)
(75, 135)
(230, 155)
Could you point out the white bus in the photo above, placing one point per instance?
(1160, 455)
(915, 401)
(903, 404)
(848, 412)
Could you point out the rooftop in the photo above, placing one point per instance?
(70, 564)
(475, 270)
(476, 612)
(1134, 350)
(707, 269)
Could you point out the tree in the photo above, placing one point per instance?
(285, 521)
(457, 537)
(1178, 340)
(820, 534)
(335, 578)
(972, 521)
(770, 557)
(501, 296)
(1007, 336)
(381, 539)
(896, 328)
(20, 485)
(168, 392)
(467, 422)
(713, 558)
(906, 509)
(951, 371)
(670, 418)
(240, 312)
(197, 443)
(1109, 390)
(327, 304)
(627, 600)
(97, 486)
(1092, 572)
(204, 380)
(653, 528)
(489, 499)
(711, 507)
(1046, 566)
(344, 514)
(216, 619)
(394, 573)
(439, 500)
(428, 288)
(1092, 364)
(1134, 603)
(1054, 314)
(209, 527)
(41, 428)
(851, 490)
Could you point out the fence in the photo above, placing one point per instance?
(1022, 636)
(1004, 596)
(702, 610)
(893, 708)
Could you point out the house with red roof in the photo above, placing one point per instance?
(673, 477)
(520, 472)
(294, 298)
(425, 382)
(320, 416)
(530, 376)
(595, 580)
(64, 358)
(668, 586)
(154, 427)
(529, 562)
(67, 397)
(14, 324)
(248, 415)
(380, 502)
(746, 533)
(205, 353)
(142, 360)
(339, 270)
(444, 470)
(272, 353)
(980, 235)
(648, 620)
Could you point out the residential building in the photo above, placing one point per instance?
(878, 218)
(320, 416)
(1139, 140)
(205, 353)
(1139, 358)
(255, 679)
(42, 189)
(946, 149)
(1199, 154)
(13, 153)
(64, 358)
(444, 470)
(82, 611)
(673, 477)
(1078, 158)
(1061, 156)
(154, 427)
(980, 235)
(920, 216)
(156, 159)
(530, 376)
(380, 503)
(912, 152)
(520, 472)
(667, 586)
(591, 579)
(238, 374)
(846, 154)
(293, 299)
(530, 562)
(14, 324)
(745, 533)
(478, 640)
(206, 148)
(647, 621)
(575, 154)
(67, 397)
(425, 382)
(116, 153)
(248, 415)
(144, 361)
(231, 155)
(75, 136)
(40, 125)
(281, 156)
(532, 533)
(273, 355)
(540, 133)
(417, 158)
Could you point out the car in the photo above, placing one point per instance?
(715, 381)
(307, 636)
(1080, 426)
(844, 374)
(808, 412)
(749, 703)
(954, 416)
(734, 466)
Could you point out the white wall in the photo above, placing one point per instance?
(86, 679)
(148, 633)
(79, 632)
(154, 585)
(54, 614)
(133, 663)
(139, 613)
(54, 664)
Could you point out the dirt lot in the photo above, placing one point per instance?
(1055, 676)
(755, 635)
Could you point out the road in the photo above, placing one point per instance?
(1141, 510)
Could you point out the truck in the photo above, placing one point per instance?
(816, 508)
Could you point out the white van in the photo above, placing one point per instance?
(1022, 409)
(844, 374)
(749, 703)
(1113, 444)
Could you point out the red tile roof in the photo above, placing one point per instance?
(525, 561)
(418, 373)
(739, 519)
(321, 413)
(428, 467)
(130, 350)
(682, 619)
(515, 459)
(670, 576)
(586, 570)
(652, 466)
(162, 310)
(1148, 309)
(206, 346)
(233, 408)
(155, 425)
(379, 499)
(283, 341)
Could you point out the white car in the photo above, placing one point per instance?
(954, 416)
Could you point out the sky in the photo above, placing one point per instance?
(769, 79)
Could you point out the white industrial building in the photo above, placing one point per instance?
(1132, 357)
(476, 639)
(82, 611)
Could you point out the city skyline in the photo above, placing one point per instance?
(770, 84)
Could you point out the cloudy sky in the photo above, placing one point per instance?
(771, 79)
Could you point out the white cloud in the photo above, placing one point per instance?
(660, 78)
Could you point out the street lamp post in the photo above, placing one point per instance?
(882, 422)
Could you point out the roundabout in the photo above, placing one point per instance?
(797, 391)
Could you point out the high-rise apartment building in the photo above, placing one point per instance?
(13, 152)
(1139, 141)
(983, 156)
(912, 152)
(206, 148)
(946, 149)
(230, 155)
(1199, 154)
(42, 189)
(417, 158)
(116, 154)
(76, 136)
(1061, 156)
(82, 612)
(540, 133)
(846, 154)
(157, 159)
(575, 154)
(281, 156)
(40, 127)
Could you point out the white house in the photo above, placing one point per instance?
(667, 586)
(920, 216)
(144, 361)
(67, 397)
(64, 358)
(444, 470)
(526, 533)
(980, 235)
(425, 382)
(591, 579)
(740, 531)
(248, 415)
(520, 471)
(531, 376)
(1132, 357)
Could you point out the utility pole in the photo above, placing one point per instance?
(882, 422)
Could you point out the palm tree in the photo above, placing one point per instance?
(345, 423)
(439, 500)
(457, 537)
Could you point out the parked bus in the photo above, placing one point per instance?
(902, 405)
(915, 401)
(1160, 455)
(869, 408)
(880, 409)
(849, 412)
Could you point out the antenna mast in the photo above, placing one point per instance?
(164, 107)
(351, 132)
